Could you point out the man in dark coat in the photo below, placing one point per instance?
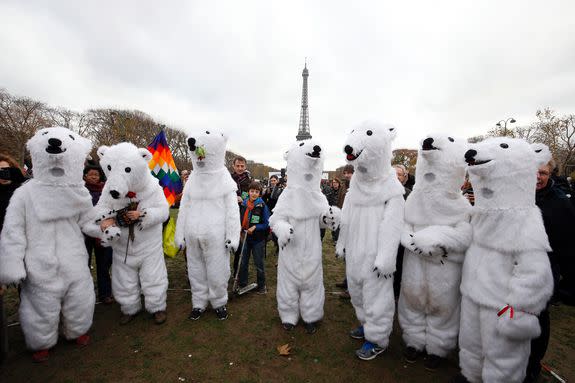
(558, 217)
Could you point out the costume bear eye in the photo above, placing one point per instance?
(44, 133)
(207, 132)
(109, 168)
(353, 130)
(301, 144)
(391, 129)
(369, 132)
(504, 146)
(128, 170)
(71, 136)
(450, 139)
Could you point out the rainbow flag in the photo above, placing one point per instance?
(163, 167)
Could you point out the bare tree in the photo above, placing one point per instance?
(20, 118)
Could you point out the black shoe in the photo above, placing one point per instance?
(459, 378)
(288, 326)
(410, 354)
(195, 314)
(432, 362)
(310, 328)
(222, 313)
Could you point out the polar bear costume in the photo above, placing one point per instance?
(209, 220)
(138, 266)
(507, 278)
(302, 209)
(437, 233)
(370, 230)
(42, 244)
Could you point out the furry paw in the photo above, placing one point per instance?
(331, 218)
(284, 231)
(382, 275)
(232, 245)
(12, 272)
(383, 270)
(523, 326)
(111, 234)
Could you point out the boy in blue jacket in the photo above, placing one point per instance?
(254, 215)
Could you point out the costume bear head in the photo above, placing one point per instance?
(58, 155)
(126, 169)
(368, 148)
(503, 171)
(304, 164)
(208, 150)
(439, 163)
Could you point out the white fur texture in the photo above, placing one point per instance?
(437, 233)
(209, 221)
(126, 168)
(507, 262)
(300, 211)
(484, 354)
(42, 245)
(371, 224)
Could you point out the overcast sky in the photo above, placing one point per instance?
(426, 66)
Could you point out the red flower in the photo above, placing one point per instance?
(131, 195)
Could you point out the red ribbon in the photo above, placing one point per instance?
(504, 310)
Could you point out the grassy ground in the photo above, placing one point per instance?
(243, 348)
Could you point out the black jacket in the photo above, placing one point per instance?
(559, 220)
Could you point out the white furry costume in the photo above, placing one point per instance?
(142, 270)
(42, 245)
(506, 278)
(437, 233)
(371, 224)
(297, 217)
(209, 220)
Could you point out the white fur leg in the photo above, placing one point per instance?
(154, 282)
(125, 286)
(78, 308)
(197, 276)
(39, 316)
(287, 296)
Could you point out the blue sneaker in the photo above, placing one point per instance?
(357, 333)
(368, 351)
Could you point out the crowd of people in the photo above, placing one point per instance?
(255, 207)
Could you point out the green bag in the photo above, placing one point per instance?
(170, 248)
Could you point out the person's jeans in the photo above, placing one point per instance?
(103, 265)
(257, 250)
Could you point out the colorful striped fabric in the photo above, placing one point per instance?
(163, 167)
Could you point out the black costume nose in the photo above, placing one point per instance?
(114, 194)
(427, 144)
(192, 143)
(348, 149)
(317, 149)
(470, 155)
(54, 142)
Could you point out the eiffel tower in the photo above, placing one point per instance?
(303, 131)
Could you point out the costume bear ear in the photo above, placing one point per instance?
(542, 153)
(145, 153)
(102, 150)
